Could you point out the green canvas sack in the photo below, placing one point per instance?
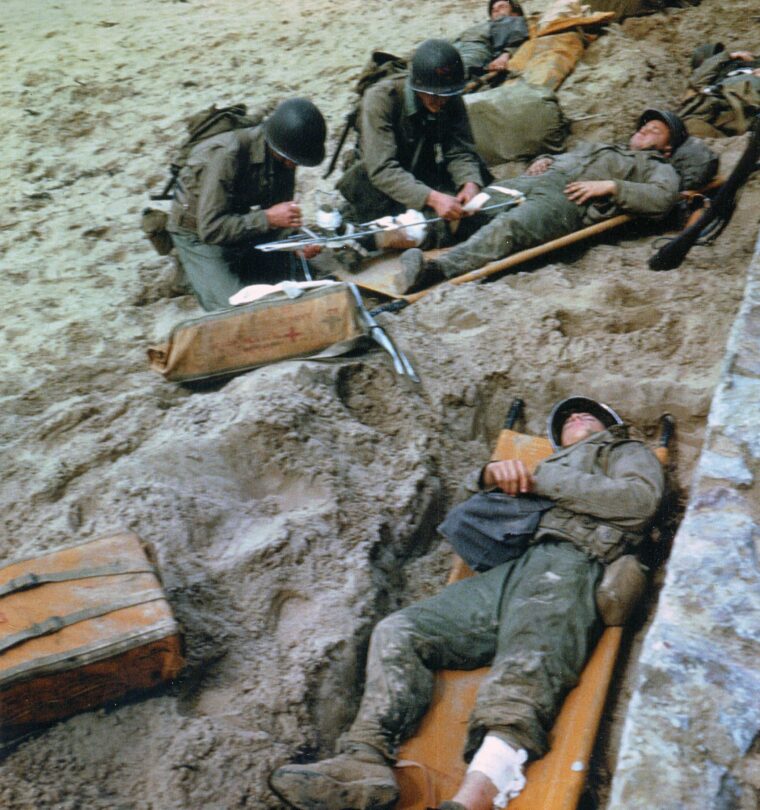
(516, 121)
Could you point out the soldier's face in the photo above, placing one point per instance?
(653, 135)
(579, 426)
(501, 8)
(433, 104)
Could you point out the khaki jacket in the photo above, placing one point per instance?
(405, 150)
(724, 96)
(717, 68)
(228, 182)
(606, 491)
(647, 185)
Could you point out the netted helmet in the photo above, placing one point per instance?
(437, 69)
(677, 128)
(577, 404)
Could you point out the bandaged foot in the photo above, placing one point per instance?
(404, 231)
(494, 777)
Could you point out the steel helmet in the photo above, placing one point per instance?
(437, 69)
(673, 122)
(577, 404)
(296, 130)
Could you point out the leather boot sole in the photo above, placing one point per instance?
(311, 790)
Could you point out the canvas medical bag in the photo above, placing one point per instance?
(277, 327)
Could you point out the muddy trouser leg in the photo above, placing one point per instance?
(456, 629)
(545, 214)
(547, 629)
(216, 272)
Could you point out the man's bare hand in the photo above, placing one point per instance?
(467, 192)
(284, 215)
(511, 477)
(539, 166)
(445, 205)
(501, 63)
(745, 56)
(583, 190)
(310, 251)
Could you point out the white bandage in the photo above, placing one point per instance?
(329, 220)
(512, 192)
(476, 203)
(414, 221)
(502, 765)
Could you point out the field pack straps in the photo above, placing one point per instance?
(32, 580)
(56, 623)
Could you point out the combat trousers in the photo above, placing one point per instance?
(215, 272)
(545, 214)
(534, 619)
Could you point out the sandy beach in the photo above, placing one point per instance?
(296, 505)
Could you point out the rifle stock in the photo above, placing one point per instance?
(670, 255)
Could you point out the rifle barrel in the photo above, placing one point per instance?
(672, 254)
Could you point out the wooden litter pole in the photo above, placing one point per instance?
(525, 255)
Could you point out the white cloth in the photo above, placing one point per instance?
(293, 289)
(502, 764)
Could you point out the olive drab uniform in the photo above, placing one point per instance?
(218, 214)
(533, 619)
(647, 185)
(724, 97)
(406, 152)
(482, 43)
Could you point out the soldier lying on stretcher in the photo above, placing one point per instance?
(724, 91)
(566, 192)
(533, 618)
(488, 46)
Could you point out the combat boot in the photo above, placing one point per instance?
(416, 273)
(359, 780)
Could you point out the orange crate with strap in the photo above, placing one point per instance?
(81, 627)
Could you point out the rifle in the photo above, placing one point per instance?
(715, 218)
(350, 122)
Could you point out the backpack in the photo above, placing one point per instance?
(381, 65)
(205, 124)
